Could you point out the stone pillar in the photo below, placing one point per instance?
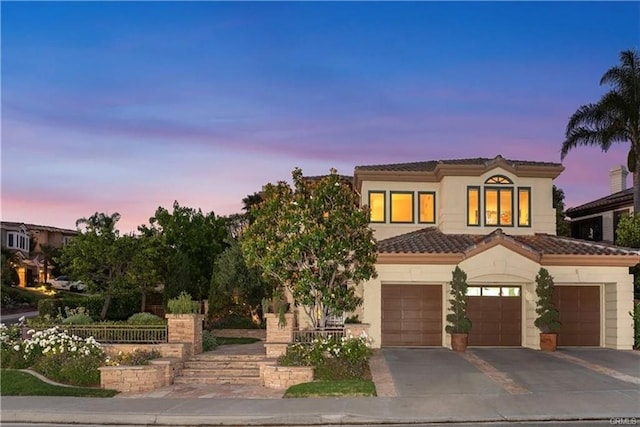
(186, 328)
(278, 337)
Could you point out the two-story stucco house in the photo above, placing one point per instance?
(494, 219)
(26, 240)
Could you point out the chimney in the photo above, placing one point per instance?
(618, 179)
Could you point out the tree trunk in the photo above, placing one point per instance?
(143, 305)
(105, 306)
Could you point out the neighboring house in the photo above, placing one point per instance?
(598, 220)
(25, 241)
(493, 218)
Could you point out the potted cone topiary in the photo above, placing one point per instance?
(459, 324)
(548, 316)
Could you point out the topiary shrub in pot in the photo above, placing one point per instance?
(548, 316)
(459, 324)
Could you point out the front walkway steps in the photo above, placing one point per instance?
(212, 368)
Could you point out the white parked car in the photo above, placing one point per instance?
(64, 284)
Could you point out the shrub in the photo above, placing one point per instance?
(122, 305)
(209, 342)
(183, 304)
(67, 368)
(335, 358)
(458, 321)
(145, 319)
(235, 322)
(136, 358)
(78, 319)
(548, 315)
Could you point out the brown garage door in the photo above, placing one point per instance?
(496, 316)
(579, 308)
(411, 315)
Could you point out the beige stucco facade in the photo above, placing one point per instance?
(500, 265)
(451, 203)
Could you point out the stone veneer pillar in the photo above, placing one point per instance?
(278, 337)
(186, 328)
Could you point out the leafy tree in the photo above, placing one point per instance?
(313, 239)
(98, 256)
(233, 284)
(614, 118)
(628, 234)
(458, 321)
(249, 204)
(628, 231)
(143, 272)
(190, 243)
(9, 262)
(563, 227)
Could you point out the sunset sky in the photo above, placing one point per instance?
(127, 106)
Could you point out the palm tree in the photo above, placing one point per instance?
(614, 118)
(48, 252)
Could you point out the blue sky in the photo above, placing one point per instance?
(127, 106)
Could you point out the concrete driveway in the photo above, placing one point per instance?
(512, 371)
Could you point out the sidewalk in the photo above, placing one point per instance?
(13, 318)
(376, 410)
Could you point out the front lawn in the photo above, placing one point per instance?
(16, 383)
(340, 388)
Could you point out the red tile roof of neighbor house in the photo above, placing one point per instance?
(613, 201)
(9, 224)
(432, 241)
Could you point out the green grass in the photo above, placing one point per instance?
(16, 383)
(342, 388)
(236, 340)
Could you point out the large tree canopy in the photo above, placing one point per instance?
(615, 118)
(191, 241)
(98, 255)
(313, 239)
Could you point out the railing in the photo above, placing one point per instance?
(308, 335)
(116, 334)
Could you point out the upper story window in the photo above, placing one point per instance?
(377, 206)
(66, 240)
(18, 240)
(401, 207)
(498, 203)
(427, 207)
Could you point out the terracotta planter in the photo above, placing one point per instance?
(459, 342)
(548, 342)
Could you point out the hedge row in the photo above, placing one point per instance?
(122, 305)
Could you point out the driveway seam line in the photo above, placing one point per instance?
(597, 368)
(501, 378)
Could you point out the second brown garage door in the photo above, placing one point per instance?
(411, 315)
(579, 308)
(496, 316)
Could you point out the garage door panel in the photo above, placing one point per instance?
(496, 320)
(411, 315)
(579, 308)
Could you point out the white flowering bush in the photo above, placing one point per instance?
(333, 357)
(54, 353)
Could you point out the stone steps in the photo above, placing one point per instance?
(207, 368)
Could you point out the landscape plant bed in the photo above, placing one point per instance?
(16, 383)
(341, 388)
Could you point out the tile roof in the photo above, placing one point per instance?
(429, 166)
(9, 224)
(433, 241)
(610, 202)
